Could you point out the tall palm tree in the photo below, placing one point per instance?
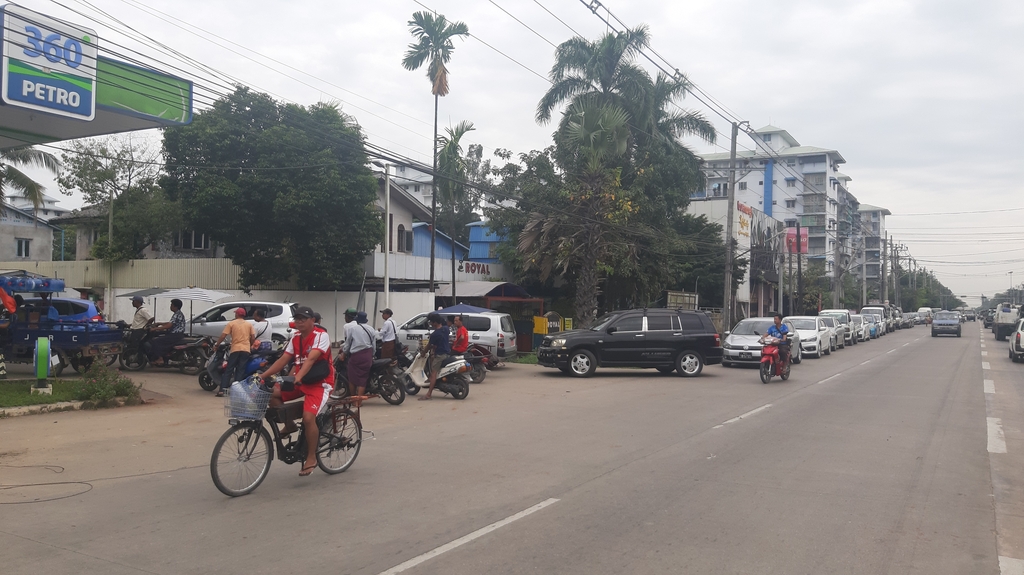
(434, 35)
(451, 164)
(13, 178)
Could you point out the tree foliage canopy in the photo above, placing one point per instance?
(285, 188)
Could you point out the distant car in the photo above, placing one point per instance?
(815, 338)
(493, 330)
(861, 327)
(971, 315)
(70, 310)
(280, 315)
(741, 343)
(874, 325)
(843, 317)
(837, 330)
(1017, 342)
(946, 322)
(883, 325)
(909, 319)
(665, 339)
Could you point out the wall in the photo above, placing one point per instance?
(442, 246)
(40, 236)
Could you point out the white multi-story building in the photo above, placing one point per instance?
(872, 228)
(47, 210)
(793, 183)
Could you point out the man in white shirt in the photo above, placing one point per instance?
(357, 351)
(388, 333)
(142, 317)
(264, 332)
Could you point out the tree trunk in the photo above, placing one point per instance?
(587, 288)
(433, 205)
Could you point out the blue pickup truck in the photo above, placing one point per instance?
(77, 334)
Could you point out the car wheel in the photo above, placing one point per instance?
(828, 349)
(689, 364)
(958, 333)
(799, 356)
(582, 363)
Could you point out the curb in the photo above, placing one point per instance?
(56, 407)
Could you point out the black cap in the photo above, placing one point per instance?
(304, 310)
(387, 310)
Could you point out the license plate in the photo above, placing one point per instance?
(745, 355)
(414, 336)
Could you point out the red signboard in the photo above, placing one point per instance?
(791, 240)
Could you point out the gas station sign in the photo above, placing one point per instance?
(48, 65)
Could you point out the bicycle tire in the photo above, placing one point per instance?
(341, 437)
(246, 449)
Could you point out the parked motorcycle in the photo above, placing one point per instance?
(452, 379)
(381, 382)
(210, 377)
(771, 359)
(189, 355)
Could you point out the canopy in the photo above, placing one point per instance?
(463, 308)
(195, 294)
(483, 289)
(148, 292)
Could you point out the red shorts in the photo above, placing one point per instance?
(316, 397)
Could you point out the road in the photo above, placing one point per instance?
(881, 458)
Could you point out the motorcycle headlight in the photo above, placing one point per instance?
(559, 342)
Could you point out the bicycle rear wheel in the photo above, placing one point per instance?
(241, 459)
(341, 436)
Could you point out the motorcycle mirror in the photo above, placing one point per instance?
(612, 329)
(755, 332)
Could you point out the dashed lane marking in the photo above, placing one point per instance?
(985, 365)
(984, 353)
(830, 377)
(862, 363)
(990, 386)
(891, 350)
(747, 414)
(996, 439)
(467, 538)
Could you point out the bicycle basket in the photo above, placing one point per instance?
(246, 400)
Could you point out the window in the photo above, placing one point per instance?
(775, 202)
(416, 188)
(191, 240)
(408, 241)
(774, 182)
(23, 247)
(630, 323)
(477, 322)
(790, 223)
(743, 185)
(760, 183)
(691, 322)
(401, 169)
(790, 161)
(790, 203)
(659, 321)
(391, 232)
(816, 179)
(790, 183)
(766, 137)
(507, 325)
(401, 238)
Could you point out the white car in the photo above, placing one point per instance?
(860, 325)
(492, 330)
(280, 315)
(836, 332)
(815, 336)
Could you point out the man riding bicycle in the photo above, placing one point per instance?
(781, 331)
(310, 351)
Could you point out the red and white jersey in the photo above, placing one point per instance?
(299, 347)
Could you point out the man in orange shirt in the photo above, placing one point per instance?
(242, 336)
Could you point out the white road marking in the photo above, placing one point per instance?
(985, 365)
(984, 353)
(990, 386)
(982, 346)
(467, 538)
(996, 439)
(747, 414)
(828, 378)
(906, 344)
(862, 363)
(890, 351)
(1010, 566)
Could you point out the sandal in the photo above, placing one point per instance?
(307, 470)
(426, 398)
(219, 393)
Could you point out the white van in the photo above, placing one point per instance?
(925, 313)
(492, 330)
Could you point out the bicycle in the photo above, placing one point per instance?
(242, 456)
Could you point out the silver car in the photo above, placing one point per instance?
(493, 330)
(212, 321)
(860, 327)
(836, 332)
(741, 345)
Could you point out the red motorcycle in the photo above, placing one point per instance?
(771, 360)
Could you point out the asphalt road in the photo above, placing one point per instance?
(876, 459)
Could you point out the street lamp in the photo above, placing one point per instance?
(387, 230)
(1010, 292)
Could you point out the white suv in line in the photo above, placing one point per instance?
(280, 315)
(492, 330)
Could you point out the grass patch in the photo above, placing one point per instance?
(527, 358)
(99, 386)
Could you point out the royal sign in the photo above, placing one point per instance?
(48, 65)
(475, 268)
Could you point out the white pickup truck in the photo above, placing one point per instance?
(1005, 319)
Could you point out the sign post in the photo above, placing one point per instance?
(48, 65)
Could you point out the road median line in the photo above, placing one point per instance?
(747, 414)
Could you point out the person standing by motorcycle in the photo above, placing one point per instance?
(781, 331)
(310, 352)
(264, 332)
(174, 330)
(388, 333)
(357, 351)
(461, 343)
(242, 337)
(439, 347)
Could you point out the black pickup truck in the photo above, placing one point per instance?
(665, 339)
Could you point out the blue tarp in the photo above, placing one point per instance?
(463, 308)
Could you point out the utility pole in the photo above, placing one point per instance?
(731, 212)
(863, 272)
(789, 255)
(799, 310)
(836, 273)
(884, 280)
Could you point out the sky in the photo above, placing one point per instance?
(923, 98)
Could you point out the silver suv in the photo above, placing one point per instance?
(492, 330)
(212, 321)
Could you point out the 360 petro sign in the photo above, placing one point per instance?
(48, 65)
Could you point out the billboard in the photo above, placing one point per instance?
(791, 240)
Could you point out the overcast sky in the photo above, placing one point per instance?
(923, 98)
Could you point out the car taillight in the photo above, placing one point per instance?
(1018, 339)
(96, 318)
(718, 340)
(291, 325)
(501, 340)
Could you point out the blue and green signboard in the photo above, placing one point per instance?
(48, 64)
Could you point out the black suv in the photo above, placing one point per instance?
(665, 339)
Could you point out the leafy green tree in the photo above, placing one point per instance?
(11, 178)
(451, 189)
(69, 248)
(284, 188)
(434, 47)
(143, 216)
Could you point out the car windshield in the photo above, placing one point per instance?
(946, 315)
(749, 326)
(604, 321)
(808, 324)
(857, 320)
(839, 317)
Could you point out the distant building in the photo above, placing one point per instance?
(872, 223)
(24, 236)
(49, 208)
(483, 243)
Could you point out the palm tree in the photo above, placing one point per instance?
(13, 178)
(434, 35)
(451, 164)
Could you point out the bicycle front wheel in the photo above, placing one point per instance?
(241, 459)
(341, 436)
